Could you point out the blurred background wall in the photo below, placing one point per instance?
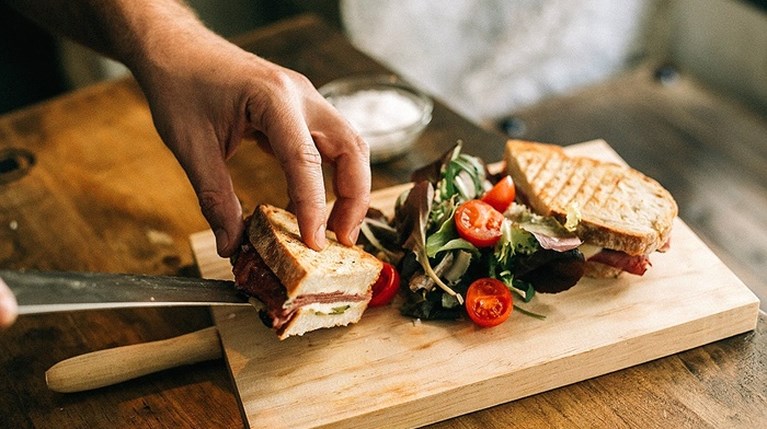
(490, 57)
(483, 57)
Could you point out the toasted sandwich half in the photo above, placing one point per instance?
(624, 215)
(301, 289)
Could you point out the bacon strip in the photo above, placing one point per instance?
(253, 277)
(614, 258)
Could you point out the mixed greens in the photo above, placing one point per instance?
(437, 264)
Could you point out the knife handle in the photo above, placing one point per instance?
(110, 366)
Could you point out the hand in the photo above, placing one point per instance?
(206, 96)
(8, 308)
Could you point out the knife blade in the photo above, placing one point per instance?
(52, 291)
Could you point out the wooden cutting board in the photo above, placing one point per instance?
(392, 371)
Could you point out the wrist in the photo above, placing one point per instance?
(165, 37)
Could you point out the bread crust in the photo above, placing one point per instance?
(621, 208)
(305, 320)
(275, 235)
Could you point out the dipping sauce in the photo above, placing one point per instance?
(387, 114)
(375, 111)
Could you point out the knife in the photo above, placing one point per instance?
(50, 291)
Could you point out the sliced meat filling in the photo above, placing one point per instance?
(632, 264)
(253, 277)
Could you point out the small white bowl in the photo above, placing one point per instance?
(389, 114)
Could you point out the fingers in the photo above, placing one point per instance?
(223, 212)
(350, 155)
(304, 131)
(8, 307)
(351, 185)
(301, 162)
(207, 172)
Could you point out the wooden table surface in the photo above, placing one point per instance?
(86, 184)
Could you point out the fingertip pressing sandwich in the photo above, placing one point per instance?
(301, 289)
(623, 214)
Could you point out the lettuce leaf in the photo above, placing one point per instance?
(413, 217)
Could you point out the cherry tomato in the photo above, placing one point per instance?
(478, 223)
(386, 287)
(488, 302)
(501, 195)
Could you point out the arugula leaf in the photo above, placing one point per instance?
(462, 177)
(456, 244)
(446, 238)
(475, 171)
(526, 287)
(428, 306)
(529, 313)
(443, 235)
(414, 217)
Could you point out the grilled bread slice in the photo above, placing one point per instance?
(328, 288)
(620, 208)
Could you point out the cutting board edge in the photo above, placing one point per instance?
(214, 315)
(412, 413)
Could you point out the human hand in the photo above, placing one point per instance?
(205, 94)
(8, 307)
(205, 97)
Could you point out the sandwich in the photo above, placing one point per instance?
(301, 289)
(622, 215)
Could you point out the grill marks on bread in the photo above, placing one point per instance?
(621, 208)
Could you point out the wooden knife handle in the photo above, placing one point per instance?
(111, 366)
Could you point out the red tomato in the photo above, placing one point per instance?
(488, 302)
(478, 223)
(501, 195)
(386, 287)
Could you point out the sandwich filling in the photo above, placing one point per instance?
(633, 264)
(253, 277)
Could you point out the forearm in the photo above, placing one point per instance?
(134, 32)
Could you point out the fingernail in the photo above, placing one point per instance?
(353, 235)
(222, 239)
(319, 237)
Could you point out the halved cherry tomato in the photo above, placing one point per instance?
(386, 287)
(488, 302)
(501, 195)
(478, 223)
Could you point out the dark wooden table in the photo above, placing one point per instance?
(90, 187)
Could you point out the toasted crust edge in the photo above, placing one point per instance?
(592, 230)
(304, 321)
(274, 246)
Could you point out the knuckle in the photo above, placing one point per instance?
(361, 147)
(313, 200)
(303, 154)
(308, 201)
(210, 202)
(286, 81)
